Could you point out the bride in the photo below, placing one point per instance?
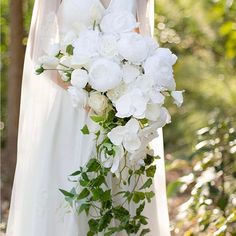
(50, 144)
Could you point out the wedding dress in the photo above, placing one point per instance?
(50, 143)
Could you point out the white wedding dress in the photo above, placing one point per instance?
(50, 143)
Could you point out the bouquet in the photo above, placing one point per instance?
(123, 79)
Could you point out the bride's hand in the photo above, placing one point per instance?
(61, 83)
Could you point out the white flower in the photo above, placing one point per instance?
(118, 22)
(126, 135)
(117, 92)
(130, 73)
(132, 103)
(107, 46)
(110, 161)
(65, 62)
(104, 75)
(178, 97)
(152, 45)
(153, 112)
(79, 78)
(48, 62)
(159, 67)
(85, 47)
(98, 102)
(133, 47)
(78, 97)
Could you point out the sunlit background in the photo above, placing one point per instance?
(200, 143)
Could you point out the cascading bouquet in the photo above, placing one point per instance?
(123, 78)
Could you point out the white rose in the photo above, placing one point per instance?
(78, 97)
(130, 73)
(118, 22)
(159, 67)
(85, 47)
(104, 75)
(133, 47)
(48, 62)
(178, 97)
(117, 92)
(107, 46)
(98, 102)
(79, 78)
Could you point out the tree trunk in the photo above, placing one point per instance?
(16, 54)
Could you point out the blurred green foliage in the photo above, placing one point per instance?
(211, 208)
(203, 34)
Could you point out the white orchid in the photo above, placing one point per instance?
(132, 103)
(126, 135)
(109, 160)
(178, 97)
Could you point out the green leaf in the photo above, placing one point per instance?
(140, 209)
(120, 213)
(93, 165)
(149, 196)
(97, 194)
(70, 49)
(67, 194)
(85, 130)
(85, 193)
(98, 119)
(104, 221)
(147, 184)
(78, 172)
(84, 207)
(40, 70)
(138, 196)
(98, 181)
(93, 225)
(144, 232)
(150, 172)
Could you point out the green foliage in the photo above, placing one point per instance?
(212, 183)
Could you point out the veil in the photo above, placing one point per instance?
(145, 15)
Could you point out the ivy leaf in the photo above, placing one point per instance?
(149, 196)
(67, 194)
(140, 209)
(97, 194)
(104, 221)
(85, 192)
(138, 196)
(147, 184)
(84, 207)
(120, 213)
(144, 232)
(97, 119)
(40, 70)
(93, 225)
(85, 130)
(98, 181)
(93, 165)
(150, 172)
(78, 172)
(70, 49)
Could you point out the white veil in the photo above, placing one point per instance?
(145, 14)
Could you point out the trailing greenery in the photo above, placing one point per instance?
(108, 208)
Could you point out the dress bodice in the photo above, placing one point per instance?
(77, 13)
